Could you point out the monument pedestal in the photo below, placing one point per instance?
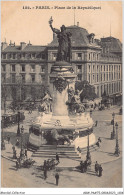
(59, 123)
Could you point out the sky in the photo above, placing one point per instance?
(22, 25)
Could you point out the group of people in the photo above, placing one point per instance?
(23, 155)
(45, 169)
(98, 169)
(84, 165)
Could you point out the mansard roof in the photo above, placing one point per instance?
(112, 43)
(79, 37)
(28, 48)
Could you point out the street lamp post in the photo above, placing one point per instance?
(19, 84)
(117, 151)
(2, 141)
(113, 133)
(22, 149)
(18, 129)
(88, 157)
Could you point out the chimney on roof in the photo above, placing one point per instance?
(11, 44)
(78, 24)
(23, 45)
(29, 43)
(3, 45)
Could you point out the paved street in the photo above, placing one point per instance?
(112, 165)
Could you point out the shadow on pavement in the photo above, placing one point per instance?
(111, 154)
(39, 176)
(14, 169)
(91, 173)
(51, 183)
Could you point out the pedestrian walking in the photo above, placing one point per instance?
(82, 167)
(17, 165)
(97, 143)
(26, 152)
(45, 173)
(13, 148)
(100, 170)
(14, 154)
(57, 178)
(78, 149)
(96, 168)
(96, 123)
(99, 140)
(8, 138)
(57, 157)
(85, 166)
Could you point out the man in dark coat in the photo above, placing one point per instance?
(100, 170)
(57, 178)
(82, 167)
(14, 154)
(45, 173)
(85, 165)
(26, 152)
(99, 139)
(57, 157)
(96, 167)
(96, 123)
(17, 165)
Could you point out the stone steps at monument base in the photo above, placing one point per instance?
(43, 155)
(59, 148)
(55, 151)
(49, 151)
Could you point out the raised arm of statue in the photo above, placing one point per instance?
(53, 29)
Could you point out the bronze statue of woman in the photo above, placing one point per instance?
(64, 48)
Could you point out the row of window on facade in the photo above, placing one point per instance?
(104, 68)
(109, 88)
(104, 77)
(79, 56)
(23, 68)
(21, 79)
(100, 68)
(23, 56)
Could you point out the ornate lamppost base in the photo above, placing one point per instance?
(117, 151)
(18, 132)
(88, 157)
(112, 135)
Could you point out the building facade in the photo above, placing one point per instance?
(98, 61)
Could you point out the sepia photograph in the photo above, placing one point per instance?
(61, 94)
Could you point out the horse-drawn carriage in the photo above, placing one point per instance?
(24, 163)
(49, 164)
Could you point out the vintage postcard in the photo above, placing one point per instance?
(61, 96)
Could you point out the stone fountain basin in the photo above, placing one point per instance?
(80, 122)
